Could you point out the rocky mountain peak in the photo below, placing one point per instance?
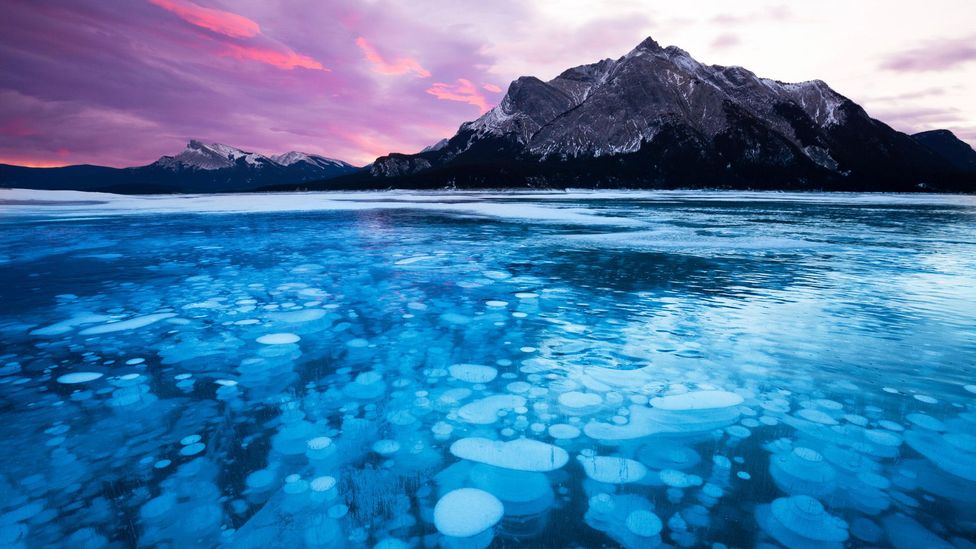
(658, 114)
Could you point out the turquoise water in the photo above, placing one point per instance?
(466, 370)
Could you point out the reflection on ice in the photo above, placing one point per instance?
(399, 370)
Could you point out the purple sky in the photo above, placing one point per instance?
(121, 82)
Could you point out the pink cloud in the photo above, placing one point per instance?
(400, 65)
(287, 60)
(464, 91)
(219, 21)
(935, 56)
(492, 88)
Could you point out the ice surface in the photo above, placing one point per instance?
(322, 370)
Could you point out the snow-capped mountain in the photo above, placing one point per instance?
(199, 168)
(213, 156)
(295, 157)
(657, 117)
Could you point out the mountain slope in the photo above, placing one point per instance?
(954, 150)
(656, 117)
(199, 168)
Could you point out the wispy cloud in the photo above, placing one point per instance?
(219, 21)
(463, 91)
(401, 65)
(287, 60)
(934, 56)
(232, 25)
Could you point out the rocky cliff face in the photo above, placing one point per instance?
(657, 117)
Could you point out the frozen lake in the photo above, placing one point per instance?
(468, 370)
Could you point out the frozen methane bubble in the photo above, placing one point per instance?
(678, 479)
(296, 317)
(485, 411)
(473, 373)
(367, 386)
(644, 523)
(467, 512)
(801, 521)
(612, 470)
(578, 403)
(697, 400)
(278, 339)
(131, 324)
(954, 452)
(79, 377)
(906, 533)
(564, 431)
(665, 456)
(692, 412)
(521, 454)
(802, 471)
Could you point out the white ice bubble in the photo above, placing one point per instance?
(612, 470)
(79, 377)
(296, 317)
(386, 447)
(412, 260)
(485, 411)
(564, 431)
(801, 521)
(278, 339)
(643, 523)
(130, 324)
(473, 373)
(521, 454)
(816, 416)
(578, 403)
(697, 400)
(467, 512)
(678, 479)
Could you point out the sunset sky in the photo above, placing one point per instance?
(121, 82)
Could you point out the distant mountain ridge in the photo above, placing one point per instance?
(658, 118)
(954, 150)
(199, 168)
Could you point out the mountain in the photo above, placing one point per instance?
(954, 150)
(657, 118)
(199, 168)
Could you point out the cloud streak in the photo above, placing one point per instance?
(462, 91)
(219, 21)
(287, 60)
(935, 56)
(401, 65)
